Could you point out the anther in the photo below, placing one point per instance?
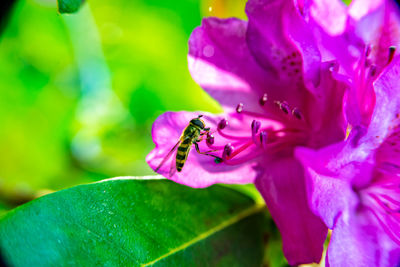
(392, 50)
(372, 71)
(255, 126)
(210, 139)
(368, 50)
(263, 139)
(333, 67)
(263, 99)
(284, 107)
(228, 149)
(367, 63)
(222, 124)
(239, 108)
(296, 112)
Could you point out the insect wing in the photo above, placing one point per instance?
(172, 169)
(170, 153)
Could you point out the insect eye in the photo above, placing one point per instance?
(198, 123)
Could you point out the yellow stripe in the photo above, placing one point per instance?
(182, 153)
(225, 224)
(184, 145)
(180, 160)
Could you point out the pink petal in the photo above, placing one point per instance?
(329, 179)
(325, 109)
(388, 153)
(355, 242)
(283, 188)
(220, 62)
(199, 170)
(335, 34)
(331, 15)
(279, 39)
(379, 28)
(361, 8)
(386, 115)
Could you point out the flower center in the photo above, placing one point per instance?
(269, 133)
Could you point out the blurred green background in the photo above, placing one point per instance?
(79, 93)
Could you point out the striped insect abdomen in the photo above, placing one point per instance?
(182, 153)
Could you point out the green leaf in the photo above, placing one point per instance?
(132, 222)
(69, 6)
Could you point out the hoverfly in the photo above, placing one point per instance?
(191, 135)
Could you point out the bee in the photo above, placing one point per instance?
(191, 135)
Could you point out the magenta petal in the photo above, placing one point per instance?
(281, 41)
(329, 181)
(283, 188)
(331, 15)
(387, 155)
(220, 62)
(386, 115)
(379, 28)
(199, 170)
(361, 8)
(355, 242)
(325, 109)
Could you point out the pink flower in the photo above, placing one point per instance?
(355, 185)
(277, 95)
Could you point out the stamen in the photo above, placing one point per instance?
(392, 50)
(263, 139)
(228, 149)
(210, 139)
(334, 67)
(233, 162)
(255, 126)
(263, 99)
(222, 124)
(368, 50)
(232, 137)
(221, 148)
(241, 149)
(296, 112)
(270, 116)
(285, 107)
(372, 71)
(239, 108)
(367, 62)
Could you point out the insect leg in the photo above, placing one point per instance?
(204, 153)
(217, 159)
(206, 132)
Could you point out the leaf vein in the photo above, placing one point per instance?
(225, 224)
